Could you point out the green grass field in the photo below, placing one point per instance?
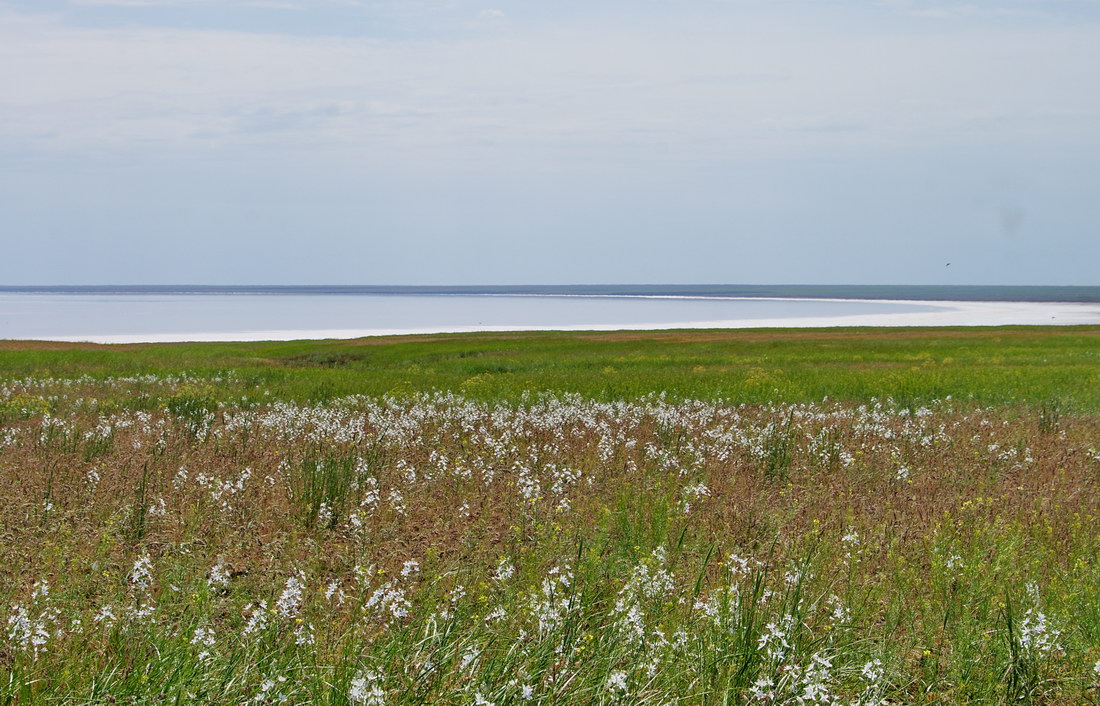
(1002, 365)
(879, 516)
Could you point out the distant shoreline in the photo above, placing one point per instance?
(953, 314)
(944, 293)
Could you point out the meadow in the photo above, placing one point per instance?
(720, 517)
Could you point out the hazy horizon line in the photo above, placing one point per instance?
(928, 292)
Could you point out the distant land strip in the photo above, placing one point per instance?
(808, 291)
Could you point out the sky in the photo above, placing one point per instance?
(553, 142)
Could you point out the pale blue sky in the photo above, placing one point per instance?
(501, 142)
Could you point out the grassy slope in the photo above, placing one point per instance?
(953, 533)
(991, 365)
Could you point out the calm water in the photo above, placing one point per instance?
(117, 317)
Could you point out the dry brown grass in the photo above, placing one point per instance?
(1015, 500)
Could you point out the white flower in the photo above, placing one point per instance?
(851, 543)
(873, 672)
(774, 639)
(1036, 633)
(692, 492)
(467, 659)
(616, 681)
(258, 620)
(739, 565)
(219, 577)
(840, 613)
(410, 568)
(761, 689)
(204, 637)
(106, 614)
(143, 612)
(290, 600)
(333, 589)
(324, 515)
(267, 685)
(814, 678)
(303, 634)
(142, 573)
(504, 571)
(30, 633)
(390, 598)
(158, 509)
(367, 690)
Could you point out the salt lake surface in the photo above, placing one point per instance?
(152, 317)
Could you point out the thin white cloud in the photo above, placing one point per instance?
(138, 3)
(720, 89)
(274, 4)
(261, 4)
(1018, 10)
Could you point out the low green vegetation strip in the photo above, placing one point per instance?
(642, 518)
(1003, 365)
